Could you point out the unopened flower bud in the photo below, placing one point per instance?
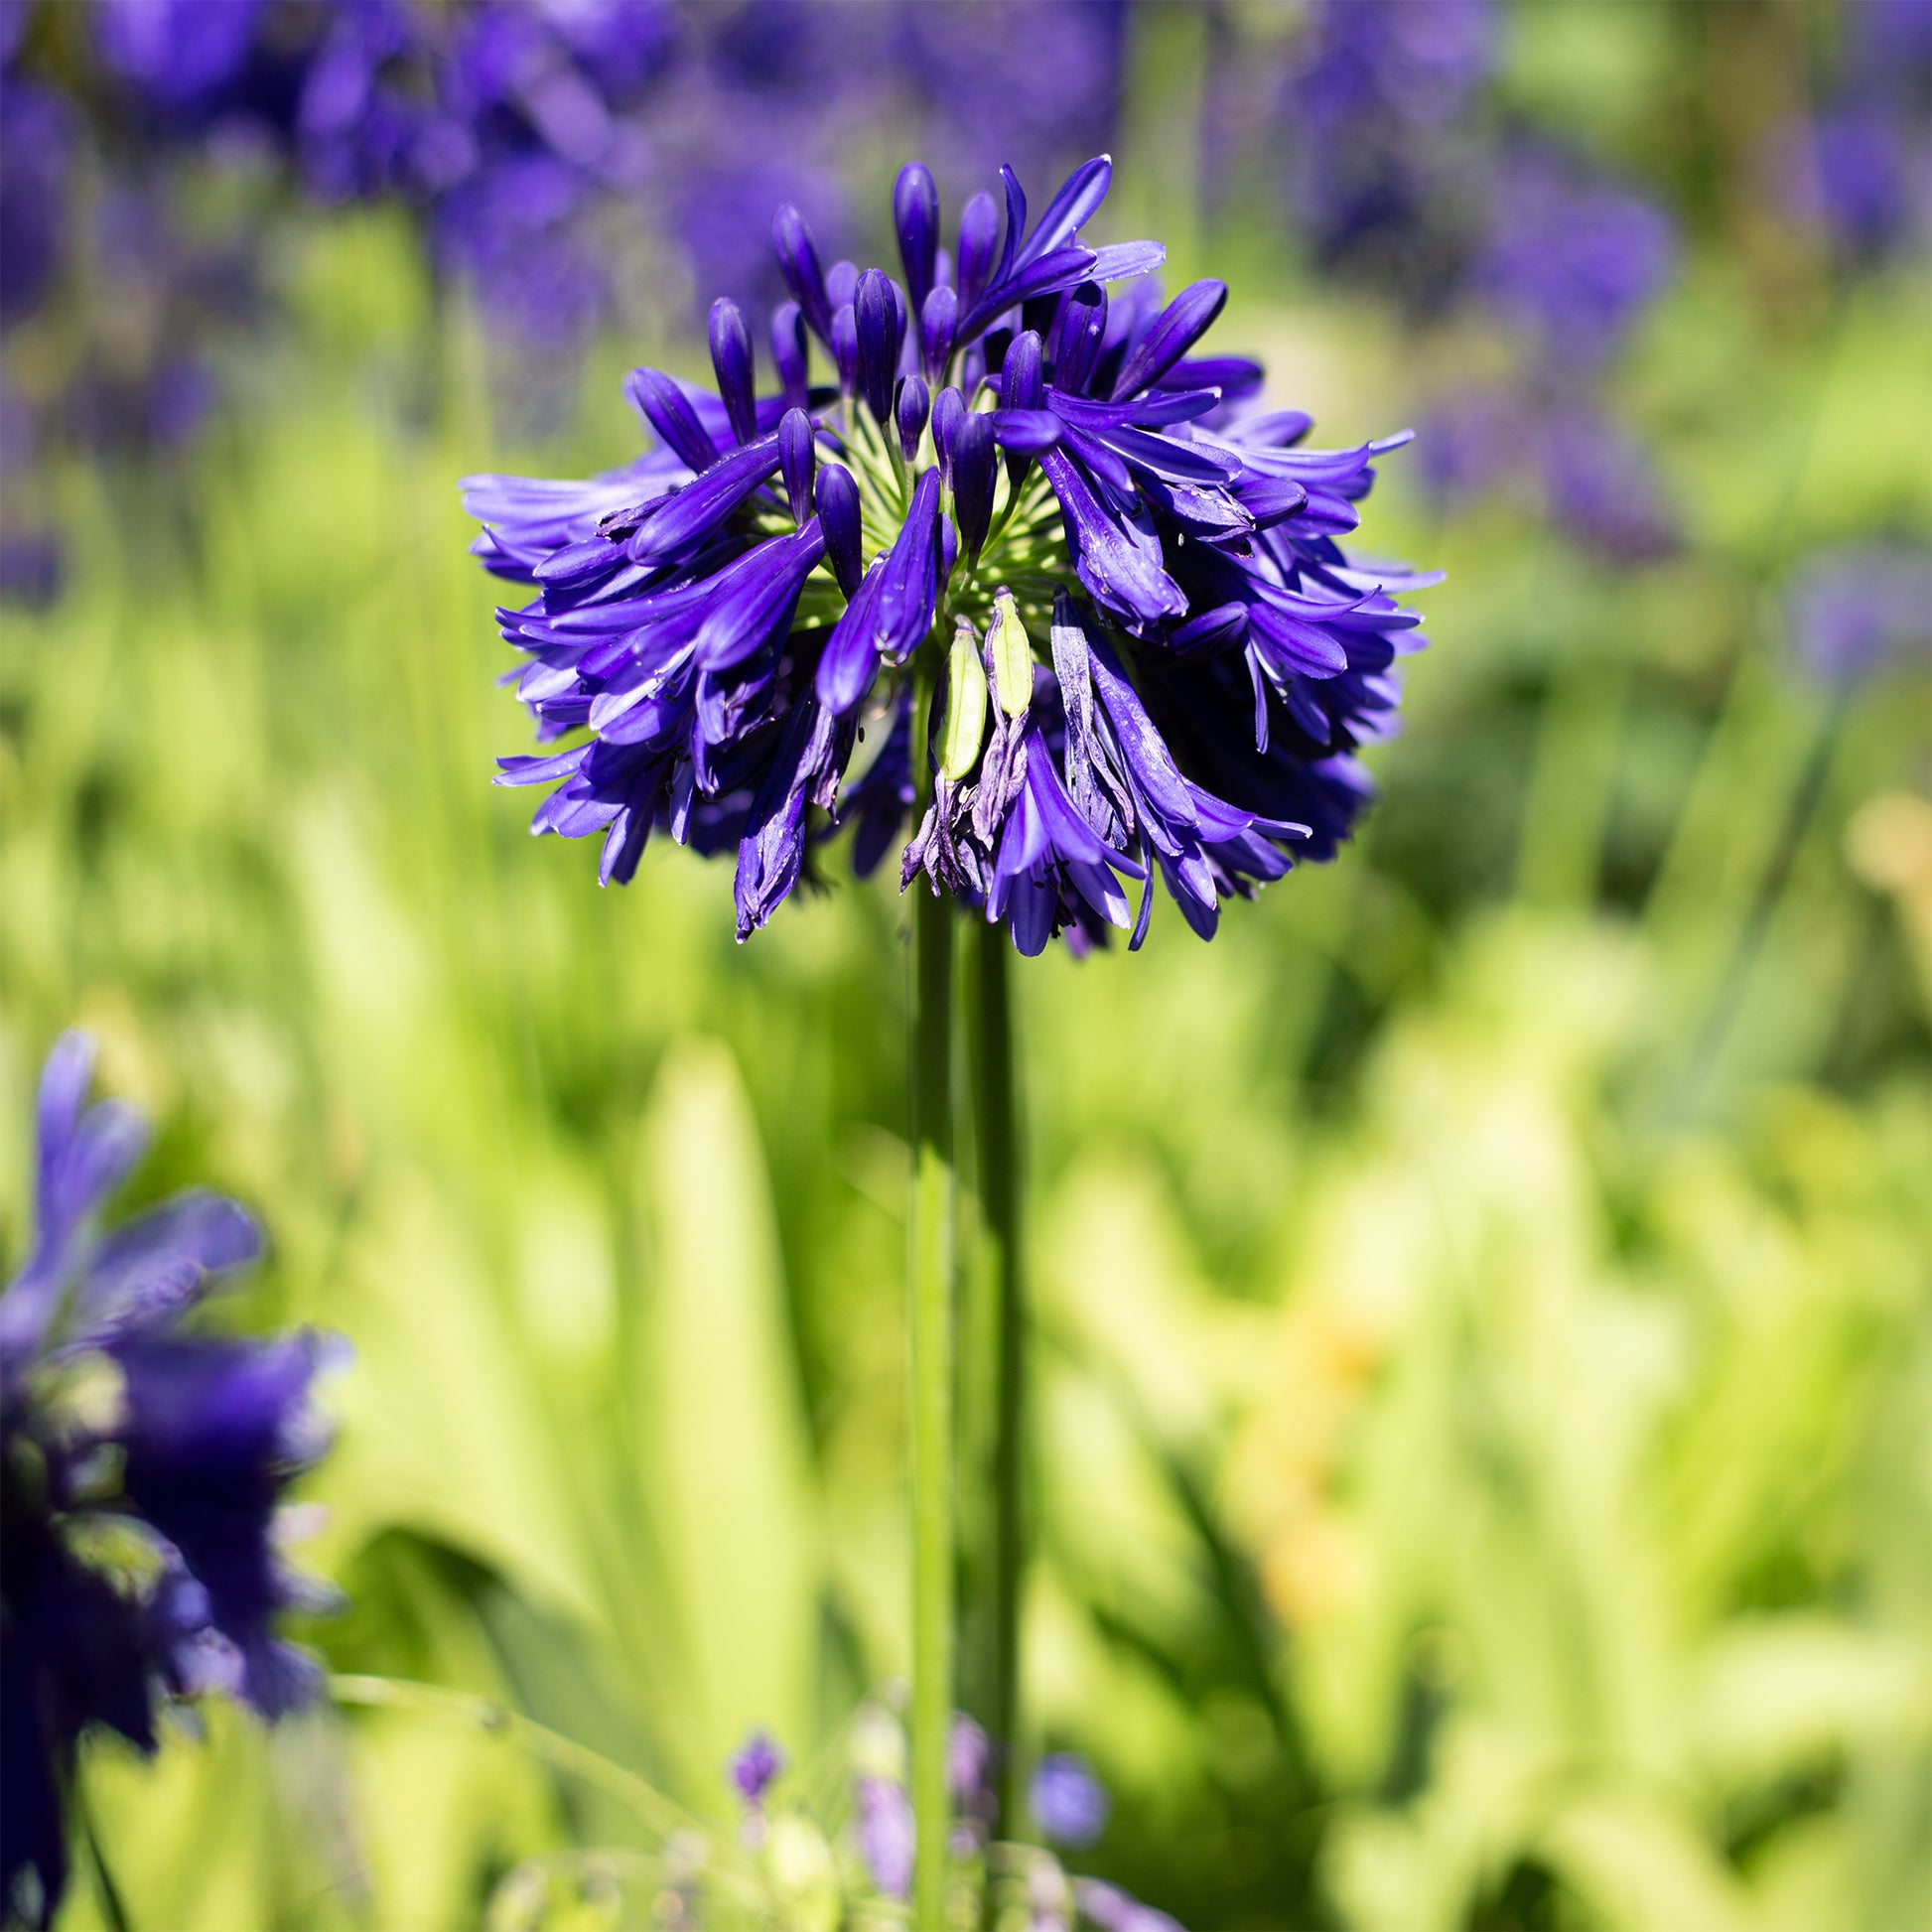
(965, 724)
(1010, 654)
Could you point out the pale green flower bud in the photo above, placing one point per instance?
(1011, 654)
(965, 727)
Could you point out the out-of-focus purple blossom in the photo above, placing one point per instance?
(754, 1766)
(1889, 48)
(1857, 175)
(1061, 66)
(1375, 58)
(968, 1758)
(1473, 443)
(32, 568)
(1860, 167)
(1374, 116)
(1069, 1803)
(1591, 475)
(36, 139)
(142, 381)
(884, 1832)
(1601, 487)
(1570, 260)
(113, 1416)
(176, 52)
(1852, 608)
(1110, 1909)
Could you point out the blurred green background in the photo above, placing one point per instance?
(1483, 1471)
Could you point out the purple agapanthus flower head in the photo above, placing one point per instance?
(1069, 1803)
(144, 1465)
(1011, 550)
(1852, 609)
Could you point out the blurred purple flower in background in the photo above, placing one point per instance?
(178, 53)
(1061, 66)
(755, 1766)
(1570, 260)
(1852, 609)
(1375, 115)
(1600, 486)
(1110, 1909)
(1068, 1802)
(1860, 167)
(144, 1467)
(884, 1830)
(36, 138)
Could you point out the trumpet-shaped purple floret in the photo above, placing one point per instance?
(723, 640)
(113, 1416)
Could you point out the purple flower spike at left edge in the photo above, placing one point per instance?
(114, 1416)
(1022, 445)
(1069, 1802)
(755, 1766)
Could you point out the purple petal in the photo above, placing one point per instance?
(1180, 325)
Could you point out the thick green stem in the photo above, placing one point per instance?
(995, 1117)
(929, 1060)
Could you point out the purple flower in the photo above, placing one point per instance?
(36, 135)
(1069, 1801)
(883, 1829)
(738, 621)
(1570, 260)
(1061, 65)
(1375, 121)
(33, 564)
(176, 52)
(1110, 1909)
(756, 1765)
(1851, 610)
(113, 1415)
(1602, 489)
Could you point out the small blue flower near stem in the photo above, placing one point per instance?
(1069, 1802)
(144, 1466)
(1853, 608)
(1171, 663)
(755, 1766)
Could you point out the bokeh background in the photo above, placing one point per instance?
(1482, 1472)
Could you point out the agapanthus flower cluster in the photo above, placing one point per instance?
(1026, 560)
(144, 1466)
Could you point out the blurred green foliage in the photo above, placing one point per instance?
(1483, 1463)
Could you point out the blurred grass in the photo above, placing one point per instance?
(1483, 1473)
